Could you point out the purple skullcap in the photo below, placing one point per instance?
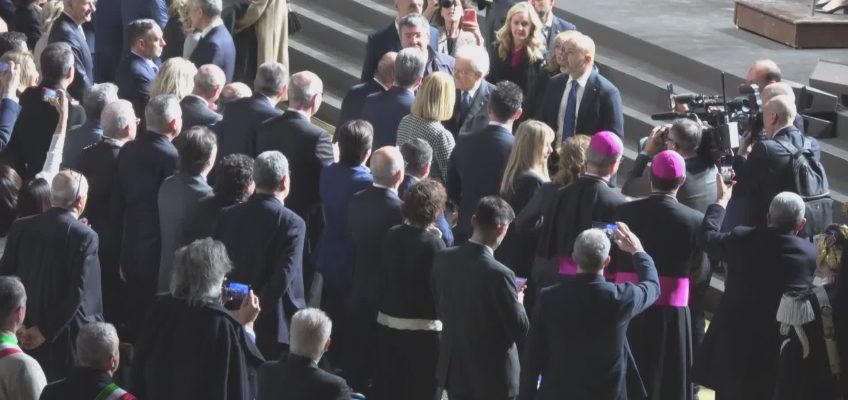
(668, 165)
(606, 144)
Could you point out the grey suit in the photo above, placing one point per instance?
(477, 116)
(179, 196)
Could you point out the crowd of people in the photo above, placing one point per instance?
(175, 225)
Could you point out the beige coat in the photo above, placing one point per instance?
(271, 20)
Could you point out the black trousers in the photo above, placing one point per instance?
(406, 365)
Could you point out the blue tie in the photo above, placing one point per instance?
(466, 104)
(570, 119)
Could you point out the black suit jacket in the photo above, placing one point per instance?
(299, 378)
(108, 39)
(477, 302)
(475, 171)
(66, 30)
(265, 242)
(354, 100)
(26, 22)
(83, 383)
(739, 355)
(55, 255)
(98, 163)
(383, 41)
(558, 25)
(241, 123)
(600, 107)
(33, 131)
(371, 213)
(134, 77)
(216, 48)
(196, 112)
(384, 111)
(477, 117)
(9, 111)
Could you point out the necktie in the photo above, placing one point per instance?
(466, 104)
(570, 119)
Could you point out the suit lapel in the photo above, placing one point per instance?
(589, 95)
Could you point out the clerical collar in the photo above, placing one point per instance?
(485, 246)
(377, 185)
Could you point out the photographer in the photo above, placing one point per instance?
(685, 137)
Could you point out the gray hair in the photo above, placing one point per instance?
(786, 211)
(385, 163)
(271, 78)
(116, 117)
(208, 79)
(56, 60)
(476, 55)
(199, 271)
(310, 330)
(409, 67)
(66, 188)
(591, 249)
(687, 135)
(783, 107)
(414, 21)
(12, 296)
(96, 342)
(210, 8)
(97, 98)
(416, 153)
(160, 111)
(777, 89)
(269, 169)
(303, 87)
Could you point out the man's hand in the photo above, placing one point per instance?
(626, 239)
(10, 81)
(60, 103)
(748, 140)
(32, 338)
(521, 291)
(249, 310)
(724, 190)
(655, 144)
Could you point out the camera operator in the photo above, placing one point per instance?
(783, 89)
(683, 136)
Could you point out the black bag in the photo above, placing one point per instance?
(811, 184)
(294, 23)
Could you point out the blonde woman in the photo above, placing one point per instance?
(176, 29)
(50, 12)
(176, 76)
(518, 53)
(433, 104)
(29, 73)
(553, 65)
(526, 171)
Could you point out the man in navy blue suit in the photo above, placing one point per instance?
(581, 101)
(551, 24)
(415, 31)
(68, 29)
(355, 97)
(138, 68)
(418, 154)
(479, 158)
(108, 39)
(9, 106)
(388, 38)
(242, 117)
(216, 44)
(385, 110)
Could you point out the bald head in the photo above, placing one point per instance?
(209, 81)
(777, 89)
(234, 91)
(69, 190)
(118, 121)
(387, 166)
(386, 69)
(763, 73)
(580, 54)
(778, 113)
(305, 91)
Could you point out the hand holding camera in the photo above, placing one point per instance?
(626, 239)
(656, 140)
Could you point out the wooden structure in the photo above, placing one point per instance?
(789, 22)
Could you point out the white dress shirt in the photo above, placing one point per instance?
(581, 82)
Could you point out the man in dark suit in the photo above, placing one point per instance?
(233, 185)
(355, 97)
(99, 163)
(481, 311)
(242, 117)
(265, 241)
(68, 29)
(55, 255)
(388, 38)
(38, 119)
(306, 146)
(551, 24)
(108, 39)
(589, 199)
(581, 101)
(139, 66)
(199, 107)
(384, 110)
(478, 160)
(371, 214)
(142, 166)
(216, 44)
(156, 10)
(415, 31)
(418, 154)
(298, 377)
(739, 356)
(100, 95)
(470, 114)
(578, 338)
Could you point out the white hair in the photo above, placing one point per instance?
(160, 111)
(777, 89)
(303, 87)
(476, 55)
(66, 188)
(269, 169)
(116, 117)
(96, 342)
(310, 330)
(385, 163)
(209, 77)
(786, 211)
(783, 107)
(591, 249)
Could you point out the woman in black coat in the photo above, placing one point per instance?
(518, 54)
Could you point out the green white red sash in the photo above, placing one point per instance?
(113, 392)
(8, 346)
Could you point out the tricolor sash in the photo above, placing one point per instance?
(8, 346)
(113, 392)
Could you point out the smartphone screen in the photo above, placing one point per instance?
(519, 282)
(47, 94)
(469, 15)
(4, 66)
(726, 169)
(607, 227)
(234, 294)
(669, 89)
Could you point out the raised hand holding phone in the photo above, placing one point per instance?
(10, 79)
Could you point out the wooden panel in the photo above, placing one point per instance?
(789, 22)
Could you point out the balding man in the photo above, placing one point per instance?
(242, 117)
(216, 44)
(55, 255)
(762, 73)
(234, 91)
(355, 97)
(306, 146)
(199, 107)
(472, 91)
(581, 101)
(388, 39)
(371, 213)
(783, 89)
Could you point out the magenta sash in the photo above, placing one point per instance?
(674, 292)
(568, 267)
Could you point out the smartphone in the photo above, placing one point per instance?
(4, 66)
(234, 294)
(48, 94)
(726, 169)
(608, 228)
(669, 90)
(469, 15)
(519, 282)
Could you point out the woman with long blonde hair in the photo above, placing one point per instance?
(176, 76)
(554, 65)
(519, 51)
